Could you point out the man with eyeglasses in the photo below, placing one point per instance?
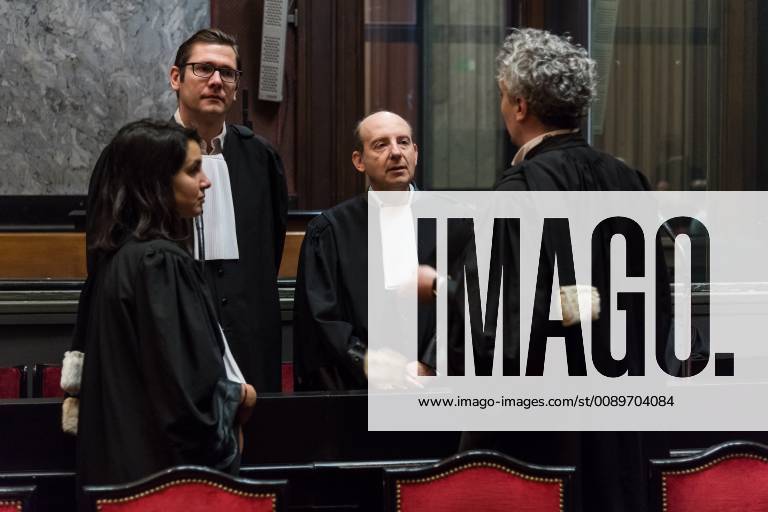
(241, 232)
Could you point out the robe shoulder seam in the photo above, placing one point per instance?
(242, 131)
(318, 226)
(154, 251)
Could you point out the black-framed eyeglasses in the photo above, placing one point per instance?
(206, 69)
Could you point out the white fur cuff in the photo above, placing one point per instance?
(569, 302)
(386, 369)
(70, 410)
(72, 371)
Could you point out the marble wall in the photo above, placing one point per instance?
(72, 72)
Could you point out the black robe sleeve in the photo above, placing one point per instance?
(279, 192)
(180, 358)
(330, 353)
(458, 247)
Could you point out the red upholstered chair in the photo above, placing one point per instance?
(479, 481)
(188, 489)
(729, 476)
(16, 498)
(47, 381)
(13, 382)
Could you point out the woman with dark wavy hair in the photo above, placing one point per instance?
(159, 387)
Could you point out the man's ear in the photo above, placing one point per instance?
(357, 161)
(175, 76)
(415, 154)
(521, 111)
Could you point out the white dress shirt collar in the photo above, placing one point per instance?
(528, 146)
(217, 143)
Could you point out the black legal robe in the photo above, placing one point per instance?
(245, 290)
(330, 330)
(154, 392)
(612, 465)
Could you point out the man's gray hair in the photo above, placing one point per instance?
(556, 77)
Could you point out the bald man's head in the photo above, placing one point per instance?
(357, 143)
(385, 151)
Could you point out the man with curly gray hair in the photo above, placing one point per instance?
(546, 85)
(546, 76)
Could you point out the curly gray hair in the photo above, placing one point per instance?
(556, 77)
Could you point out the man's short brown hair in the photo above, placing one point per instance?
(204, 36)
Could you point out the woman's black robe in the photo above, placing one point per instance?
(154, 391)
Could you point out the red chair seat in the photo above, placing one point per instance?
(191, 496)
(479, 481)
(51, 382)
(188, 489)
(47, 381)
(287, 377)
(731, 476)
(11, 382)
(732, 484)
(16, 498)
(487, 489)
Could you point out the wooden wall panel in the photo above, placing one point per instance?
(272, 120)
(330, 91)
(387, 61)
(62, 255)
(290, 261)
(42, 256)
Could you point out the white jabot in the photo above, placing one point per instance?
(398, 238)
(230, 365)
(218, 212)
